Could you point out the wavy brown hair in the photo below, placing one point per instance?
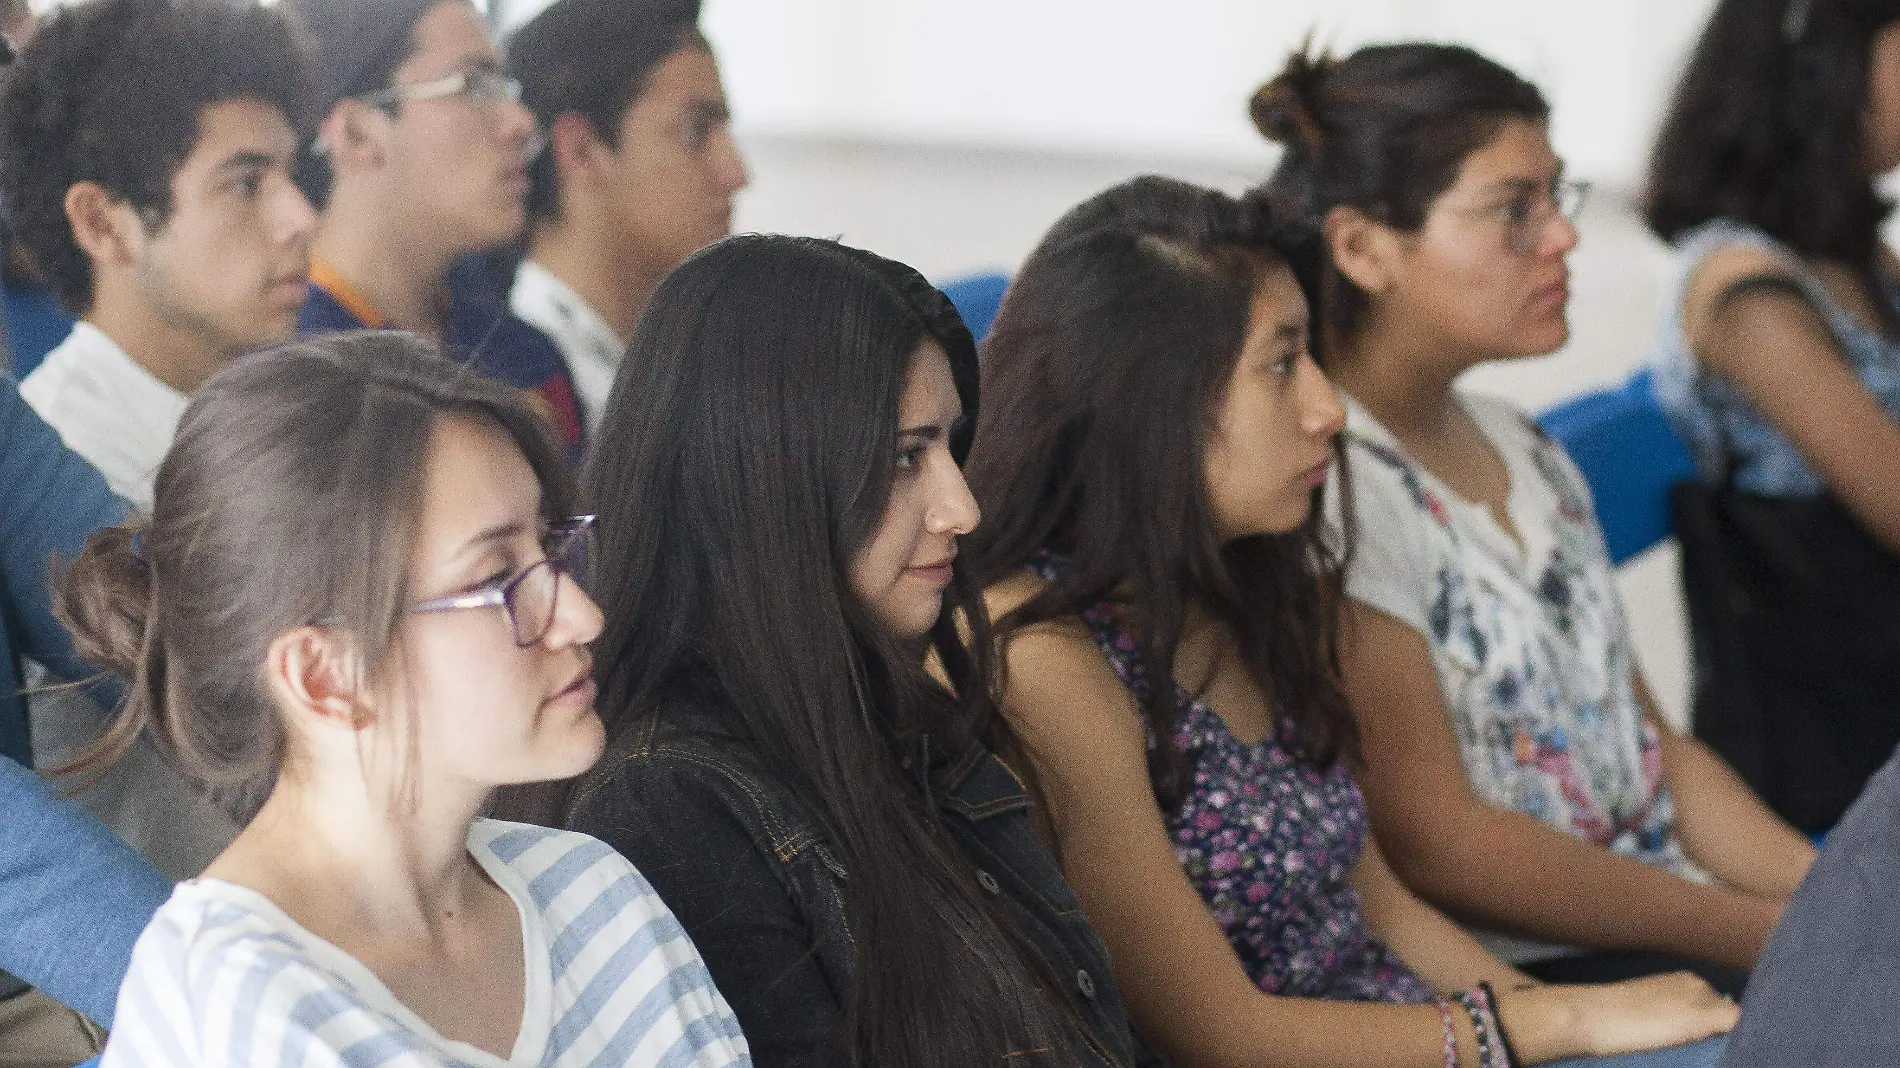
(1103, 379)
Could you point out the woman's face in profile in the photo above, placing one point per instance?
(1272, 442)
(1487, 272)
(901, 572)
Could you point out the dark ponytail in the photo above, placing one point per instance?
(1384, 131)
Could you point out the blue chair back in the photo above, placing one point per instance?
(1629, 454)
(977, 298)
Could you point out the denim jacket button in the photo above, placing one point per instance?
(988, 883)
(1085, 983)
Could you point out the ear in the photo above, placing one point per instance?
(106, 228)
(352, 135)
(310, 673)
(576, 147)
(1362, 249)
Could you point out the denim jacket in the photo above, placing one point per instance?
(743, 866)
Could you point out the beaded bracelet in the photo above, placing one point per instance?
(1451, 1033)
(1487, 1055)
(1511, 1059)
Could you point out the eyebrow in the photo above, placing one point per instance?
(249, 158)
(932, 431)
(500, 532)
(1292, 331)
(714, 110)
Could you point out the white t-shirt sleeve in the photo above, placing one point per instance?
(1391, 568)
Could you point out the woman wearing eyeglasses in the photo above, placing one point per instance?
(1515, 768)
(356, 596)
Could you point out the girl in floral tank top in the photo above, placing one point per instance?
(1270, 841)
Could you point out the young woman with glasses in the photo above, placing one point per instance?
(1153, 440)
(357, 595)
(1516, 769)
(805, 753)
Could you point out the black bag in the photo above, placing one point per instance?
(1795, 613)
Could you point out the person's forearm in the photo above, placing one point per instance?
(1726, 828)
(1505, 871)
(73, 898)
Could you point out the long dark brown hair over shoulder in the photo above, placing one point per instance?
(746, 456)
(1103, 377)
(1767, 128)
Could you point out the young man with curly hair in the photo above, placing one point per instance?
(640, 171)
(145, 164)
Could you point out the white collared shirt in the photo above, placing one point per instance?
(590, 347)
(110, 410)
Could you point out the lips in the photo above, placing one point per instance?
(1316, 475)
(582, 684)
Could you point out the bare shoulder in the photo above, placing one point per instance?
(1717, 272)
(1057, 684)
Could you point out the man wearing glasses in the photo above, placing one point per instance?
(640, 171)
(420, 160)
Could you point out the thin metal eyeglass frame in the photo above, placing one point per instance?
(1566, 198)
(563, 539)
(467, 82)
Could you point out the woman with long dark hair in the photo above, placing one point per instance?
(1154, 437)
(357, 599)
(1779, 365)
(845, 836)
(1515, 766)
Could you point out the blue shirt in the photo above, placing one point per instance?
(49, 501)
(478, 330)
(1714, 418)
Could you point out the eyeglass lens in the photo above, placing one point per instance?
(534, 594)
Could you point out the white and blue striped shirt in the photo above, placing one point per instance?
(222, 978)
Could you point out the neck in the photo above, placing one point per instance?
(367, 863)
(613, 283)
(398, 270)
(1402, 376)
(179, 357)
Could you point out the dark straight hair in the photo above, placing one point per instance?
(746, 456)
(593, 58)
(1384, 130)
(1103, 379)
(1767, 128)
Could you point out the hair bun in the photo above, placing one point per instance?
(104, 596)
(1286, 111)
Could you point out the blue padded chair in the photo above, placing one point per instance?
(977, 298)
(1630, 455)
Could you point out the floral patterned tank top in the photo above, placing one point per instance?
(1270, 841)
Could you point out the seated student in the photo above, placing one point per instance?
(72, 897)
(640, 171)
(847, 840)
(1779, 354)
(145, 152)
(1515, 767)
(420, 161)
(1153, 437)
(358, 588)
